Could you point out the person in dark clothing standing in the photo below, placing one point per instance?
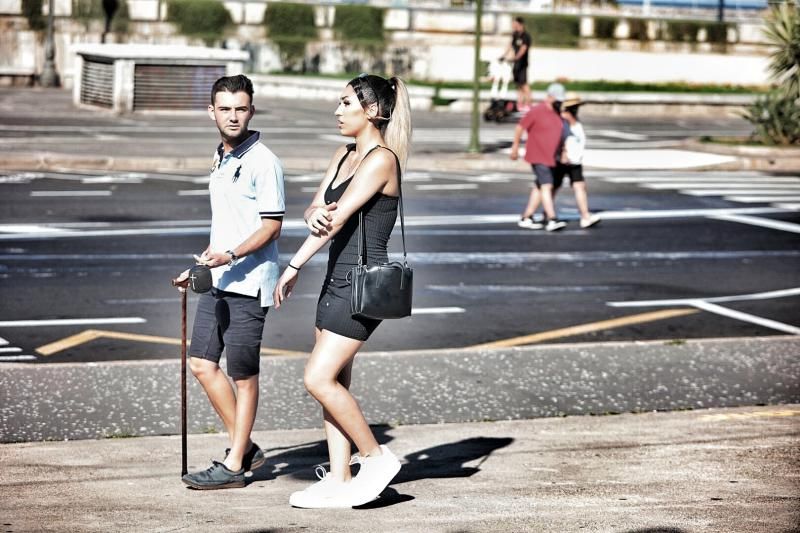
(520, 46)
(362, 177)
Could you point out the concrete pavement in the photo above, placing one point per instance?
(715, 470)
(690, 470)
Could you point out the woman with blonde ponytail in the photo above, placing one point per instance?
(363, 177)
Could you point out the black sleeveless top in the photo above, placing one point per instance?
(380, 215)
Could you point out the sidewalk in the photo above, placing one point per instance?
(717, 470)
(55, 107)
(491, 463)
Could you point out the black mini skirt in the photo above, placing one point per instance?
(333, 312)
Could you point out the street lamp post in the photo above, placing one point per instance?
(49, 77)
(474, 142)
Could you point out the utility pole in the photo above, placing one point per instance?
(474, 142)
(721, 11)
(49, 77)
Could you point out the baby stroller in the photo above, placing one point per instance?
(500, 107)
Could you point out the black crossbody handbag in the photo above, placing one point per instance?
(381, 291)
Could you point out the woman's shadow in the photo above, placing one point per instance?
(441, 461)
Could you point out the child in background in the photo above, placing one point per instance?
(571, 160)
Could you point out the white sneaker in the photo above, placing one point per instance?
(590, 221)
(554, 225)
(375, 474)
(327, 493)
(528, 223)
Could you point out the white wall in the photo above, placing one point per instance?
(454, 63)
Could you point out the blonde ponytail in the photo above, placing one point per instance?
(398, 131)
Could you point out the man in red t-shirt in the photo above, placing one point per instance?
(543, 125)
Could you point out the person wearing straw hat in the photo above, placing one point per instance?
(570, 160)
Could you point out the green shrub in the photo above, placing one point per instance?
(122, 19)
(604, 27)
(717, 32)
(32, 9)
(637, 30)
(776, 119)
(683, 31)
(88, 10)
(360, 25)
(291, 27)
(203, 19)
(553, 30)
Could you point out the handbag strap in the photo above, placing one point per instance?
(362, 237)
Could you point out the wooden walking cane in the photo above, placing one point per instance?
(184, 464)
(182, 288)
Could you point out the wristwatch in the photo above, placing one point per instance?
(234, 257)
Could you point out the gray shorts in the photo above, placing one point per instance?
(543, 173)
(233, 322)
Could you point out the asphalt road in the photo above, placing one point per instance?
(101, 248)
(294, 128)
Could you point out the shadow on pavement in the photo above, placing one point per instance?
(442, 461)
(657, 530)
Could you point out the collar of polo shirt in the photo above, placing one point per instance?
(242, 149)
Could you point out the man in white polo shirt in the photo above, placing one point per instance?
(247, 207)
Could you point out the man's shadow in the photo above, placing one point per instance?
(441, 461)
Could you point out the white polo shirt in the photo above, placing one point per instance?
(246, 185)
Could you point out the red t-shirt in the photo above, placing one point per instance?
(544, 134)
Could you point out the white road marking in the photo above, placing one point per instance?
(769, 295)
(24, 177)
(710, 305)
(489, 178)
(614, 134)
(728, 192)
(3, 342)
(193, 192)
(748, 184)
(132, 177)
(59, 194)
(762, 222)
(10, 350)
(11, 358)
(789, 206)
(314, 178)
(685, 213)
(447, 187)
(179, 227)
(417, 176)
(70, 322)
(309, 189)
(436, 310)
(546, 289)
(695, 180)
(746, 317)
(762, 199)
(27, 228)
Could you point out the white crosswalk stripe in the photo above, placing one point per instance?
(782, 192)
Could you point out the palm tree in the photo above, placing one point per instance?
(783, 31)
